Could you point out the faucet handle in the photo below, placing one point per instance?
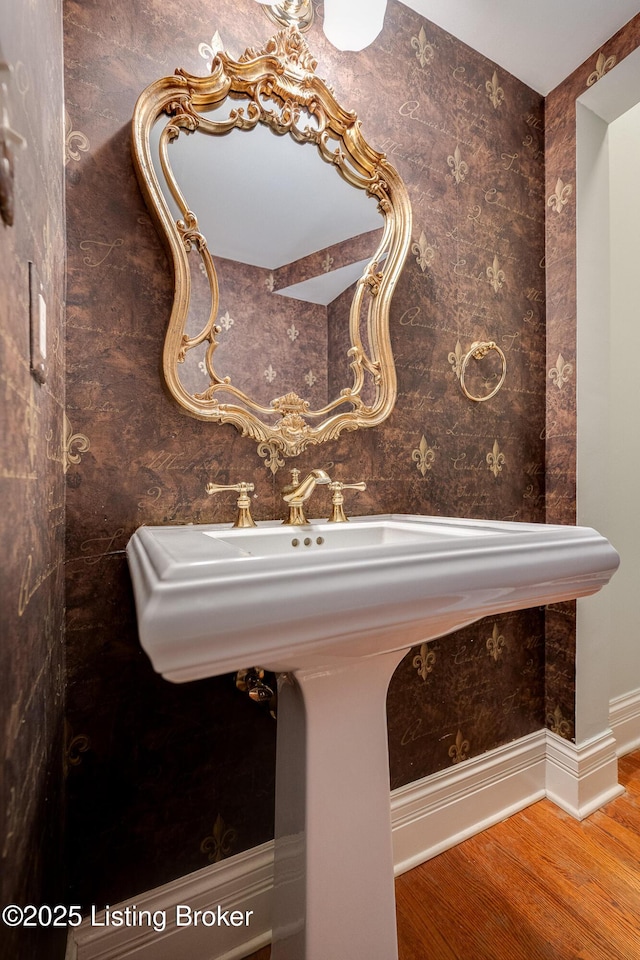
(337, 510)
(243, 503)
(295, 480)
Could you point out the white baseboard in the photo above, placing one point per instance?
(71, 953)
(624, 720)
(428, 816)
(436, 813)
(580, 779)
(242, 883)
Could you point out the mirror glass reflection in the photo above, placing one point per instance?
(289, 239)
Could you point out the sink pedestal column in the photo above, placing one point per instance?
(334, 895)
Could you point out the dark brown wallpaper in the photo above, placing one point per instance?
(167, 778)
(32, 461)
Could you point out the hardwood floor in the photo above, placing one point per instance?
(539, 886)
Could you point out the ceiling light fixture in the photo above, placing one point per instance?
(353, 24)
(348, 24)
(290, 12)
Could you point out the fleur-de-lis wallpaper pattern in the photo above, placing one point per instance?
(164, 761)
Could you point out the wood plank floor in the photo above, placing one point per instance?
(539, 886)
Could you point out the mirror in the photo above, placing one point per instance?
(287, 233)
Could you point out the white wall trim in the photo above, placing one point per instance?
(428, 816)
(71, 953)
(243, 882)
(603, 501)
(582, 778)
(624, 720)
(437, 812)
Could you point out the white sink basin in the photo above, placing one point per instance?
(333, 609)
(211, 599)
(267, 540)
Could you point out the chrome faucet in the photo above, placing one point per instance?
(296, 494)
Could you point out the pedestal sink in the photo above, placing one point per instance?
(333, 608)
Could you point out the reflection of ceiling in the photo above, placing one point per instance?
(539, 41)
(266, 200)
(325, 288)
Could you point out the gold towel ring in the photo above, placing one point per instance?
(478, 350)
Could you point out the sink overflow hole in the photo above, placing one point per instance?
(307, 541)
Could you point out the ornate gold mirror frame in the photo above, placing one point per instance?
(275, 86)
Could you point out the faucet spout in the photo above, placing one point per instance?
(296, 496)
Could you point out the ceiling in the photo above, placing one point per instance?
(539, 41)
